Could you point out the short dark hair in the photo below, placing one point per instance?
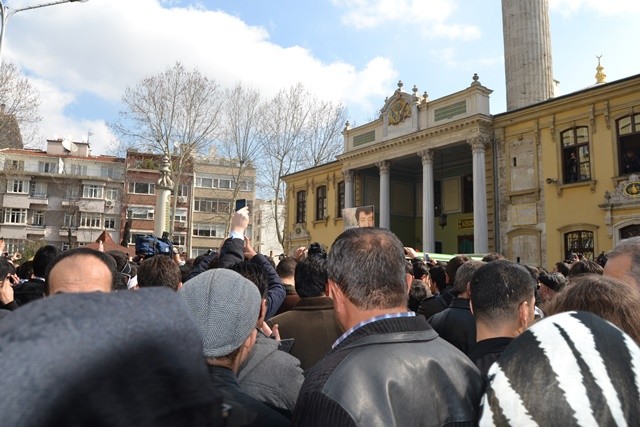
(585, 266)
(159, 270)
(419, 268)
(25, 270)
(107, 260)
(123, 268)
(6, 268)
(43, 258)
(311, 277)
(286, 267)
(498, 288)
(562, 268)
(417, 293)
(368, 266)
(554, 281)
(439, 276)
(453, 265)
(363, 209)
(253, 272)
(493, 256)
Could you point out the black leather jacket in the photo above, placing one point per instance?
(400, 378)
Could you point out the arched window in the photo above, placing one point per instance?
(321, 202)
(629, 144)
(301, 206)
(630, 231)
(340, 200)
(579, 242)
(576, 160)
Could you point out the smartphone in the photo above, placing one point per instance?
(285, 344)
(240, 203)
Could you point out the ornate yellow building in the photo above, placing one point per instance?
(421, 163)
(564, 181)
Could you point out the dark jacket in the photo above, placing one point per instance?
(290, 300)
(456, 324)
(245, 410)
(378, 376)
(437, 303)
(232, 251)
(28, 291)
(485, 352)
(313, 325)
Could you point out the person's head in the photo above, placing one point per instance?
(226, 308)
(502, 296)
(606, 297)
(159, 270)
(438, 276)
(25, 270)
(43, 258)
(364, 216)
(567, 369)
(549, 285)
(453, 265)
(420, 270)
(463, 276)
(256, 275)
(417, 293)
(6, 271)
(562, 268)
(366, 271)
(584, 266)
(286, 268)
(630, 153)
(493, 256)
(623, 261)
(81, 270)
(311, 277)
(123, 269)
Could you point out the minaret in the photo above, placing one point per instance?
(527, 52)
(163, 192)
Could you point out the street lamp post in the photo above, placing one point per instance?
(6, 12)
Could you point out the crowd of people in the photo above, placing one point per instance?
(366, 334)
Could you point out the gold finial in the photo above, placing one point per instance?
(600, 75)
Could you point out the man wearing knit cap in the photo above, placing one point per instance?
(226, 308)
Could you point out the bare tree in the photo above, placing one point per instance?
(241, 139)
(175, 113)
(325, 133)
(299, 131)
(19, 108)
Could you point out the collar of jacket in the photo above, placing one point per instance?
(314, 303)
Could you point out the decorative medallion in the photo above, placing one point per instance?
(632, 190)
(399, 111)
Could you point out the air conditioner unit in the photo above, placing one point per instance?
(181, 224)
(182, 199)
(109, 203)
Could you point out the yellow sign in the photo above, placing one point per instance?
(465, 223)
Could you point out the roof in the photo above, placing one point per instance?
(109, 244)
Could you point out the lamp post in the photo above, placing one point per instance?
(6, 12)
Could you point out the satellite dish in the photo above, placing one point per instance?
(69, 146)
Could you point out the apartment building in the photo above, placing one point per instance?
(216, 186)
(265, 236)
(139, 201)
(63, 195)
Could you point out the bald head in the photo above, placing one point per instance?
(80, 270)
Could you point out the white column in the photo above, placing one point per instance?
(428, 221)
(385, 194)
(163, 192)
(348, 188)
(480, 225)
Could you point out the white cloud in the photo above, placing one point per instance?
(101, 47)
(431, 16)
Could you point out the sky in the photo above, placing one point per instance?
(82, 56)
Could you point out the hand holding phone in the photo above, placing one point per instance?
(240, 203)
